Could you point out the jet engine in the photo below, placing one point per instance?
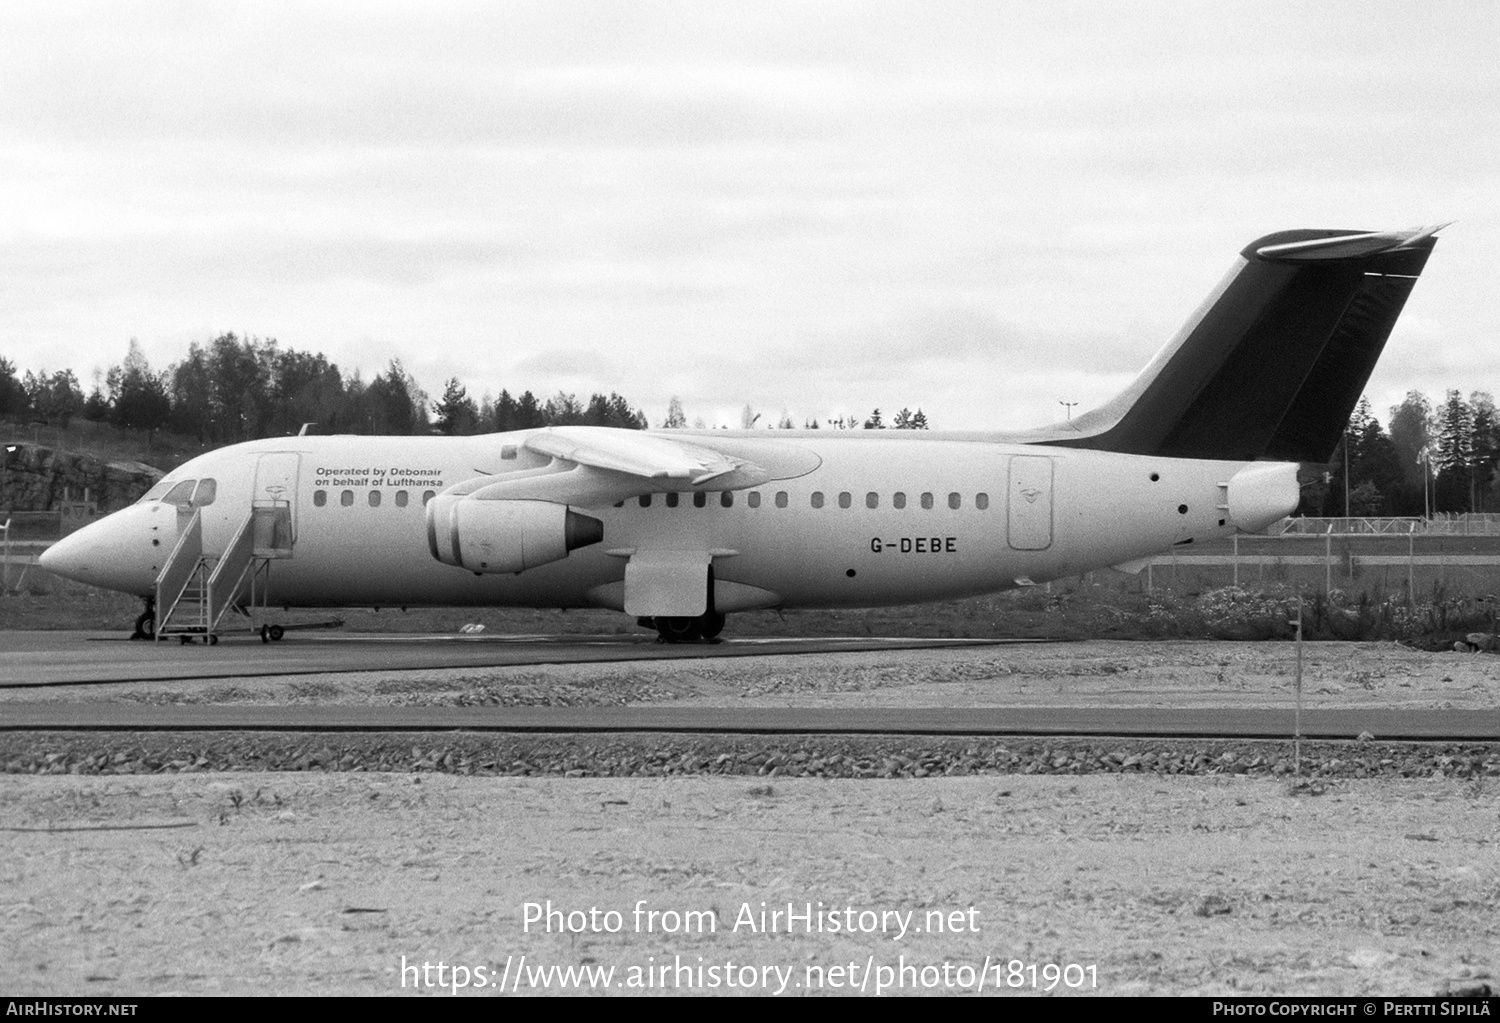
(505, 536)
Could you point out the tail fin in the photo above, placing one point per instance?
(1271, 365)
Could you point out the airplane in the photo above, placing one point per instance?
(680, 528)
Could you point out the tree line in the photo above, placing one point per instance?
(234, 389)
(244, 388)
(1433, 458)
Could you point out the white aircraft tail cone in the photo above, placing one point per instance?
(1261, 494)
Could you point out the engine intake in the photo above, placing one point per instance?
(505, 536)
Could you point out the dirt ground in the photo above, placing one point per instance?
(1142, 884)
(322, 884)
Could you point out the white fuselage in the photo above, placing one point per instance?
(877, 519)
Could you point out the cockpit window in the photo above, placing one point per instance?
(204, 495)
(182, 493)
(162, 486)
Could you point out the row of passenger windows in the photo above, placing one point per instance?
(845, 500)
(201, 493)
(372, 497)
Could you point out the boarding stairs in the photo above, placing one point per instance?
(194, 591)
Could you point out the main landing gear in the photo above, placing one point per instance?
(145, 623)
(687, 630)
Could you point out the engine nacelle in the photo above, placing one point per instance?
(505, 536)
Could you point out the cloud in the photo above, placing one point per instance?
(984, 209)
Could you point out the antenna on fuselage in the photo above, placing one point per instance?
(305, 427)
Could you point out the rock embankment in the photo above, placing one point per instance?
(647, 755)
(39, 479)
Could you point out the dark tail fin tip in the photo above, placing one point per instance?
(1272, 368)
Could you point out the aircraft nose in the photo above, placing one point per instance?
(124, 551)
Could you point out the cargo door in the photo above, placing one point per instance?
(1030, 503)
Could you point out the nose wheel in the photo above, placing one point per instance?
(145, 623)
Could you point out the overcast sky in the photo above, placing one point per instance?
(982, 209)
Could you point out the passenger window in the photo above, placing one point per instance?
(817, 499)
(182, 493)
(954, 501)
(672, 500)
(981, 501)
(700, 500)
(754, 499)
(645, 500)
(346, 498)
(872, 500)
(401, 498)
(320, 498)
(374, 499)
(845, 499)
(726, 499)
(781, 498)
(204, 495)
(428, 495)
(898, 500)
(926, 500)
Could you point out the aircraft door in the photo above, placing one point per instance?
(274, 503)
(1030, 503)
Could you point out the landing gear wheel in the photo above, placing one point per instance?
(213, 640)
(678, 630)
(711, 625)
(145, 626)
(275, 632)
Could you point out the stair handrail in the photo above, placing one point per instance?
(229, 575)
(178, 570)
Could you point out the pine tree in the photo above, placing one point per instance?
(1455, 455)
(456, 414)
(1485, 445)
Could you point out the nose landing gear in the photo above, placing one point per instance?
(145, 623)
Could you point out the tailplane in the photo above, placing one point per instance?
(1273, 362)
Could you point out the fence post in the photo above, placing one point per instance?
(1411, 563)
(1328, 560)
(1297, 719)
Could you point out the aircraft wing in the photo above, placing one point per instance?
(593, 466)
(633, 453)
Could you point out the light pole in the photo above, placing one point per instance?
(1346, 473)
(1069, 406)
(10, 449)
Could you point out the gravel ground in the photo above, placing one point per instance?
(293, 883)
(162, 863)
